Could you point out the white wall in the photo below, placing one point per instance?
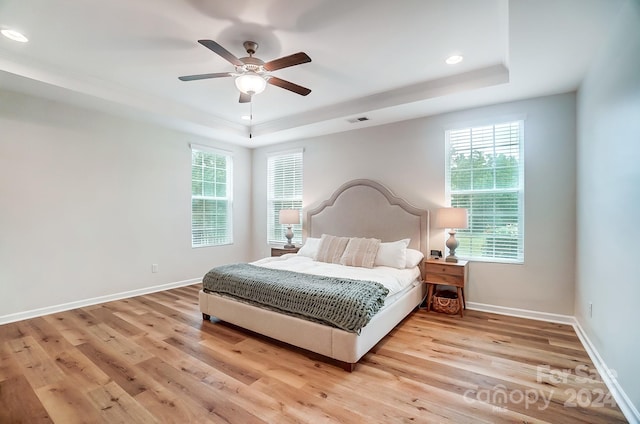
(89, 201)
(408, 157)
(608, 208)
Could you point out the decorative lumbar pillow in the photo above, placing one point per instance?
(310, 247)
(393, 254)
(331, 248)
(413, 258)
(360, 252)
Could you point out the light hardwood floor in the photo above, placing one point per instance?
(153, 359)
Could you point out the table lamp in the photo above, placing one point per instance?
(289, 217)
(451, 218)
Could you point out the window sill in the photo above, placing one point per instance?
(494, 260)
(212, 245)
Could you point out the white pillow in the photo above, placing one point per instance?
(393, 254)
(310, 247)
(413, 258)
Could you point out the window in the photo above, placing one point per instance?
(211, 197)
(485, 175)
(284, 191)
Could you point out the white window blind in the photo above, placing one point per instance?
(211, 198)
(284, 191)
(485, 175)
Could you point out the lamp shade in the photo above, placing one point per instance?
(451, 218)
(251, 83)
(289, 216)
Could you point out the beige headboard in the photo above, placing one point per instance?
(366, 208)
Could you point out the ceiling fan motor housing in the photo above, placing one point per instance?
(250, 47)
(251, 64)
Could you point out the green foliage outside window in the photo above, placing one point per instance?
(210, 203)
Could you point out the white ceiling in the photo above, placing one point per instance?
(377, 58)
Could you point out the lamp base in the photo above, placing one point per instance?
(289, 236)
(452, 244)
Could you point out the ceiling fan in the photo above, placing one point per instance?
(253, 74)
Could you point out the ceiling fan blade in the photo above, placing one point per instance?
(204, 76)
(218, 49)
(245, 98)
(303, 91)
(285, 62)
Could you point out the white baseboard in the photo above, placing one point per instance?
(522, 313)
(608, 377)
(624, 403)
(6, 319)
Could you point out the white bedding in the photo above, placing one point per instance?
(396, 280)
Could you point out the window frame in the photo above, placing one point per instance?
(462, 234)
(294, 202)
(228, 198)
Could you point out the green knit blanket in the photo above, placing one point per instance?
(343, 303)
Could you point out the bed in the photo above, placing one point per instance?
(359, 208)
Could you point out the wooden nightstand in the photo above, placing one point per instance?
(279, 251)
(446, 273)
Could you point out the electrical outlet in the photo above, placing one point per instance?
(154, 268)
(590, 310)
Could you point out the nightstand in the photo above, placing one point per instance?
(446, 273)
(279, 251)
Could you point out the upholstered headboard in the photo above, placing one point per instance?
(366, 208)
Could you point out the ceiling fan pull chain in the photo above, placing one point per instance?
(251, 117)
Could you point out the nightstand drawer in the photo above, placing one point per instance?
(453, 280)
(279, 251)
(432, 268)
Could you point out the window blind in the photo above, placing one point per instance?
(211, 198)
(284, 191)
(485, 175)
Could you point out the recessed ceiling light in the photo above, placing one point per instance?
(452, 60)
(245, 117)
(14, 35)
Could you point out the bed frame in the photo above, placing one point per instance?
(359, 208)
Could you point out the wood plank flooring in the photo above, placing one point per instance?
(152, 359)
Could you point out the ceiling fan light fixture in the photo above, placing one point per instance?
(251, 83)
